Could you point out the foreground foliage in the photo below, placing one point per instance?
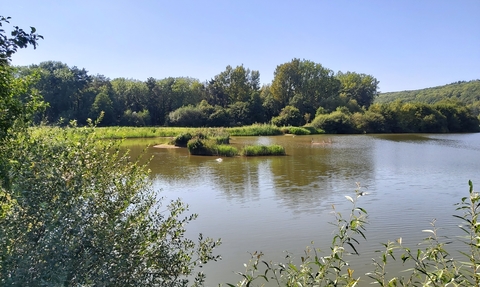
(80, 213)
(429, 265)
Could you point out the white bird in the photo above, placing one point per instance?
(219, 159)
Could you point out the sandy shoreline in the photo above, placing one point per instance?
(165, 146)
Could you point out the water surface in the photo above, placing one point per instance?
(277, 204)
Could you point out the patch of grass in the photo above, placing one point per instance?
(313, 130)
(255, 130)
(262, 150)
(139, 132)
(295, 130)
(226, 150)
(222, 139)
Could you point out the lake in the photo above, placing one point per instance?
(277, 204)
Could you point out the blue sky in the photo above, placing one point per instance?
(408, 44)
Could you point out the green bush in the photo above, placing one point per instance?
(78, 212)
(262, 150)
(288, 116)
(199, 146)
(338, 121)
(182, 139)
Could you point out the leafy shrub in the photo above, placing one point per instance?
(188, 116)
(182, 139)
(289, 116)
(136, 119)
(369, 122)
(78, 212)
(196, 146)
(338, 121)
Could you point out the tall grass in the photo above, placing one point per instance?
(226, 150)
(295, 130)
(140, 132)
(262, 150)
(221, 133)
(255, 130)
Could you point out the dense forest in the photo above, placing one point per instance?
(465, 92)
(301, 93)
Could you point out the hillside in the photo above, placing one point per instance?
(466, 92)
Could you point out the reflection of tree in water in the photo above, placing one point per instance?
(309, 179)
(312, 180)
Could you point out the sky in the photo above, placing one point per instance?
(406, 45)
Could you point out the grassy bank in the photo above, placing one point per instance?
(155, 132)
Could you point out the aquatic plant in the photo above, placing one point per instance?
(262, 150)
(226, 150)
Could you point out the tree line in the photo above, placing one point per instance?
(302, 92)
(234, 96)
(467, 92)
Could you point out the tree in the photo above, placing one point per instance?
(304, 84)
(20, 39)
(360, 87)
(233, 85)
(289, 116)
(337, 122)
(65, 89)
(104, 104)
(18, 102)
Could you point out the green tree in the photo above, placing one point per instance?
(65, 89)
(359, 87)
(271, 107)
(18, 102)
(289, 116)
(233, 85)
(104, 104)
(337, 122)
(19, 39)
(305, 85)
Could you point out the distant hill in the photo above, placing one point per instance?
(466, 92)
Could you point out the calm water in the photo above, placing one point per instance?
(277, 204)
